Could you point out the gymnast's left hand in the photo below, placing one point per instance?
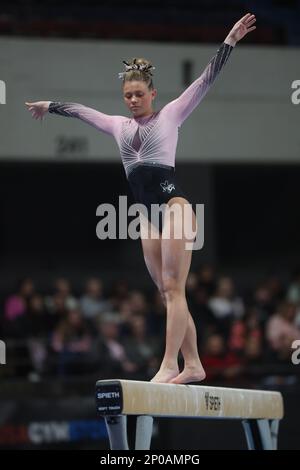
(244, 26)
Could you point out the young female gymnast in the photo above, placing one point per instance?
(147, 143)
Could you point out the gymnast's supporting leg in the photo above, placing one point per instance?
(176, 261)
(153, 260)
(143, 435)
(117, 432)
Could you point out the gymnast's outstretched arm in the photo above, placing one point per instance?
(100, 121)
(180, 108)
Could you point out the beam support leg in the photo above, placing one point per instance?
(265, 434)
(274, 432)
(249, 435)
(144, 427)
(117, 432)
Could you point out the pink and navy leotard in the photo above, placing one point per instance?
(148, 144)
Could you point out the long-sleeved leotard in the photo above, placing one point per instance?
(152, 139)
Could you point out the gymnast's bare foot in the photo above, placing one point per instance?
(190, 374)
(165, 375)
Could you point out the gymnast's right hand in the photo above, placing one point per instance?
(38, 109)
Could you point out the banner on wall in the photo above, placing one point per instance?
(60, 423)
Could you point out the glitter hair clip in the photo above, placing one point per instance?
(134, 66)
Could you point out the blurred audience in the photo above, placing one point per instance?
(116, 331)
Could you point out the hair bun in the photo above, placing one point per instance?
(140, 65)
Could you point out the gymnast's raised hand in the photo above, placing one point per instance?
(242, 27)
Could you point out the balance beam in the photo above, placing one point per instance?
(259, 410)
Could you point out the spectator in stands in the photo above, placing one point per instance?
(58, 310)
(138, 303)
(281, 331)
(207, 279)
(119, 292)
(237, 337)
(218, 362)
(263, 302)
(276, 288)
(92, 302)
(254, 322)
(142, 349)
(37, 319)
(253, 352)
(125, 311)
(36, 327)
(225, 305)
(293, 294)
(72, 343)
(135, 304)
(17, 303)
(62, 290)
(111, 352)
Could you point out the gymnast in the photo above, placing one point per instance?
(147, 142)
